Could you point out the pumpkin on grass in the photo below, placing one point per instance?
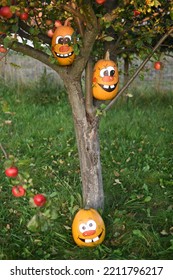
(62, 47)
(105, 79)
(88, 228)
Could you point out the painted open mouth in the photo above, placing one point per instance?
(95, 239)
(108, 88)
(61, 55)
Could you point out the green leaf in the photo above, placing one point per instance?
(108, 39)
(171, 14)
(33, 224)
(15, 28)
(138, 233)
(147, 199)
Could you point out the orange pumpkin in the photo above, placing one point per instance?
(105, 79)
(88, 228)
(62, 47)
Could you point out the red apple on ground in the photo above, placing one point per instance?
(11, 171)
(18, 191)
(2, 49)
(39, 200)
(158, 65)
(6, 12)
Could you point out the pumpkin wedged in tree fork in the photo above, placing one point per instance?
(105, 79)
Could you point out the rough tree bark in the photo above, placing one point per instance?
(86, 128)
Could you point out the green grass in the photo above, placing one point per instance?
(136, 151)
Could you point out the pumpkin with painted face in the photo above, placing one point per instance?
(105, 79)
(88, 228)
(62, 47)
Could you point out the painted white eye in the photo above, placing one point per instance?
(111, 70)
(104, 72)
(82, 228)
(59, 40)
(91, 225)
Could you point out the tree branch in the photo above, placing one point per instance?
(139, 69)
(88, 88)
(36, 54)
(88, 38)
(24, 31)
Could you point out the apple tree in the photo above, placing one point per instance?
(122, 27)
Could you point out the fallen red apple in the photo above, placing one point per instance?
(2, 49)
(18, 191)
(158, 65)
(39, 200)
(11, 171)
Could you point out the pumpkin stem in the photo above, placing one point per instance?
(87, 207)
(67, 21)
(107, 55)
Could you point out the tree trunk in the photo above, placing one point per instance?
(86, 129)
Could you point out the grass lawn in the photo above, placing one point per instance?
(36, 129)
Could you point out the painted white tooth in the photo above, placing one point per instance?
(95, 239)
(70, 54)
(61, 55)
(112, 86)
(105, 86)
(88, 240)
(66, 55)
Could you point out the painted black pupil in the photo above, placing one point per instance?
(83, 227)
(66, 40)
(60, 41)
(90, 225)
(112, 73)
(106, 73)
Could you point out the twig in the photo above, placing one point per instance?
(3, 150)
(139, 69)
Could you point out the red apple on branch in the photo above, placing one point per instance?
(24, 16)
(100, 2)
(11, 171)
(57, 23)
(50, 33)
(6, 12)
(158, 65)
(136, 13)
(18, 191)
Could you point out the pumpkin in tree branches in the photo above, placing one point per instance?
(105, 79)
(62, 46)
